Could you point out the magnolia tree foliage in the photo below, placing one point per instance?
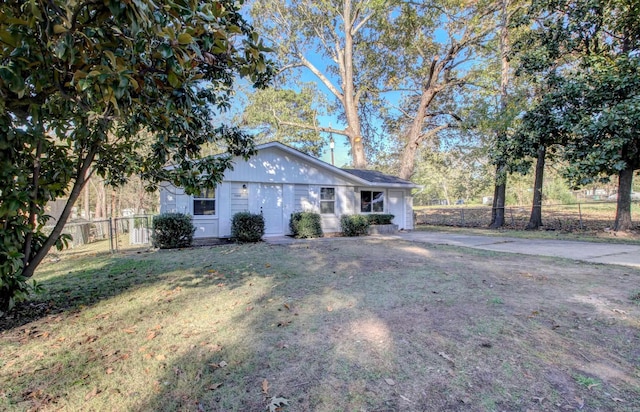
(586, 53)
(80, 79)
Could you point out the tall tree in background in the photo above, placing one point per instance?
(302, 31)
(501, 141)
(428, 50)
(535, 142)
(274, 113)
(596, 97)
(80, 80)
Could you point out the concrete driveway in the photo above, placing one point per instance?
(608, 253)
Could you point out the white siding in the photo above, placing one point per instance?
(173, 199)
(302, 201)
(205, 227)
(300, 180)
(239, 200)
(273, 165)
(408, 202)
(288, 206)
(167, 198)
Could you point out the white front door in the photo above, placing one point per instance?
(271, 207)
(396, 207)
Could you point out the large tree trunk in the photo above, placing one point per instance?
(499, 195)
(78, 185)
(535, 221)
(497, 213)
(623, 211)
(415, 136)
(350, 97)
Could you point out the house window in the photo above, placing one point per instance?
(204, 203)
(371, 202)
(327, 200)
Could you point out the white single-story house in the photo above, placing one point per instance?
(280, 180)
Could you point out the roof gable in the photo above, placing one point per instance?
(358, 176)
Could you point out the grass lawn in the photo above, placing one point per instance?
(331, 325)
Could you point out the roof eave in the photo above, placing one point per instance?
(395, 185)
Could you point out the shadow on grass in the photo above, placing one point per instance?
(72, 282)
(367, 325)
(353, 338)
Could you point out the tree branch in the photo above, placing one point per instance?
(289, 66)
(364, 21)
(306, 63)
(310, 127)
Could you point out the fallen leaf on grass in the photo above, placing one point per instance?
(329, 309)
(389, 381)
(129, 331)
(286, 305)
(617, 399)
(161, 357)
(215, 386)
(92, 394)
(151, 335)
(580, 402)
(276, 404)
(265, 387)
(406, 399)
(109, 371)
(91, 339)
(223, 364)
(593, 385)
(447, 357)
(282, 345)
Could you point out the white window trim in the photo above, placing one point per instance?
(215, 208)
(334, 201)
(384, 201)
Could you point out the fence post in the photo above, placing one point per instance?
(513, 223)
(148, 231)
(115, 221)
(462, 217)
(110, 235)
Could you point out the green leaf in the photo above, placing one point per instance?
(185, 38)
(173, 79)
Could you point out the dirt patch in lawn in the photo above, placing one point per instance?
(323, 325)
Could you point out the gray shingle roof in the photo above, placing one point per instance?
(377, 177)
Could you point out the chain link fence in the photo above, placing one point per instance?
(562, 217)
(123, 234)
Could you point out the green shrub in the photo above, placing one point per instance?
(354, 225)
(172, 230)
(247, 227)
(305, 225)
(380, 219)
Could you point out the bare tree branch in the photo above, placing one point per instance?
(306, 63)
